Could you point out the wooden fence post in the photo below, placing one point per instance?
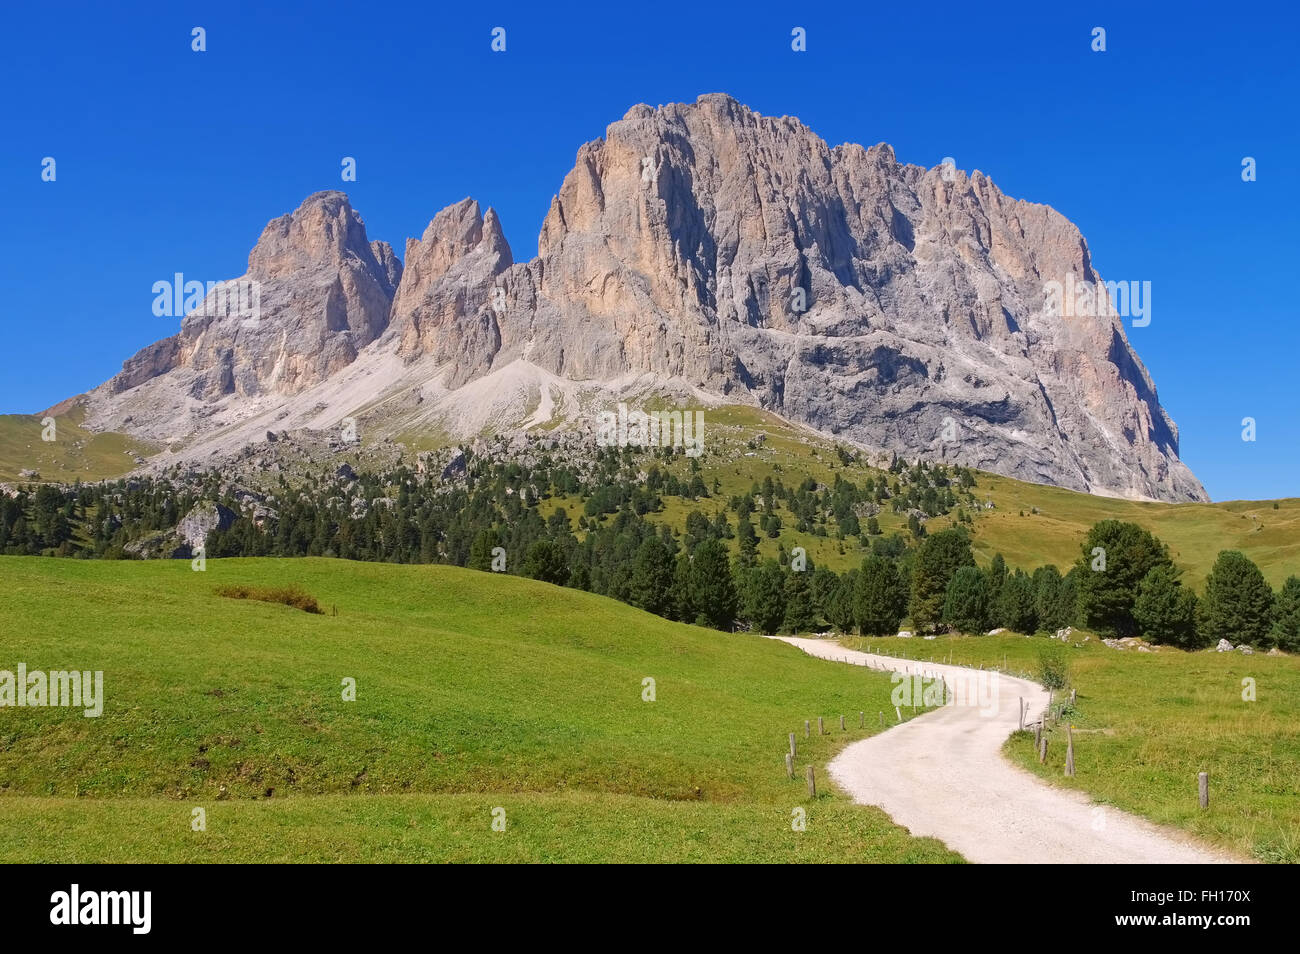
(793, 750)
(862, 720)
(1069, 751)
(1022, 713)
(807, 729)
(1203, 783)
(821, 726)
(812, 783)
(1042, 751)
(789, 765)
(841, 723)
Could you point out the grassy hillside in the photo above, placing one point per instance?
(473, 691)
(1147, 723)
(1030, 524)
(1195, 533)
(75, 454)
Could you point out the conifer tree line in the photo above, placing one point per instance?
(721, 570)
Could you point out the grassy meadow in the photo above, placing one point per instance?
(77, 454)
(473, 692)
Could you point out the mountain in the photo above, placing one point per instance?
(701, 250)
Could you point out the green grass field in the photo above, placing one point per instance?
(1146, 723)
(473, 692)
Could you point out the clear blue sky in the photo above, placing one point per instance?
(171, 160)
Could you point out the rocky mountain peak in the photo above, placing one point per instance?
(316, 292)
(323, 232)
(711, 247)
(445, 304)
(456, 232)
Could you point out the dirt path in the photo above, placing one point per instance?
(942, 774)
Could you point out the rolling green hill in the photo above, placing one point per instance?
(1030, 524)
(473, 692)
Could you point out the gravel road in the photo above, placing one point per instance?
(943, 775)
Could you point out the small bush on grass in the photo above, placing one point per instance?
(294, 596)
(1053, 667)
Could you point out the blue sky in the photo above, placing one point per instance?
(170, 160)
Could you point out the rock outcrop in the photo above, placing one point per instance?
(448, 303)
(316, 292)
(900, 307)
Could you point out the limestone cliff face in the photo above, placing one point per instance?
(901, 307)
(447, 304)
(316, 293)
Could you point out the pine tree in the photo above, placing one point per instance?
(652, 577)
(798, 602)
(1286, 622)
(824, 584)
(1238, 604)
(713, 592)
(1115, 558)
(683, 605)
(879, 599)
(748, 540)
(966, 601)
(480, 553)
(764, 596)
(997, 575)
(1015, 607)
(840, 606)
(1165, 610)
(937, 559)
(546, 561)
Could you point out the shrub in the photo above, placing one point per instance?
(292, 595)
(1053, 666)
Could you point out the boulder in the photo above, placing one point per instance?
(456, 467)
(195, 526)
